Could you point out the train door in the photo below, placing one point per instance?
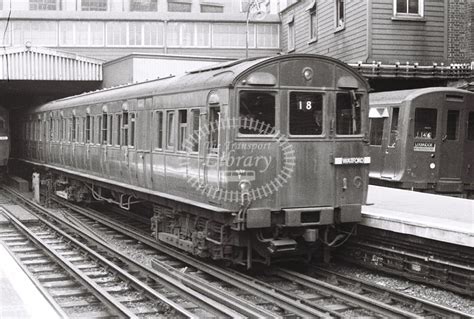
(450, 163)
(124, 154)
(209, 168)
(391, 152)
(144, 147)
(377, 139)
(469, 149)
(104, 127)
(132, 150)
(157, 155)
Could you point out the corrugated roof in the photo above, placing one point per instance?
(34, 63)
(397, 97)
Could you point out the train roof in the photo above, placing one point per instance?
(397, 97)
(214, 76)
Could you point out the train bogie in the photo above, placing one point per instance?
(423, 139)
(250, 161)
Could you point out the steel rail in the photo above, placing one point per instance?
(113, 305)
(110, 265)
(396, 295)
(290, 304)
(343, 294)
(223, 305)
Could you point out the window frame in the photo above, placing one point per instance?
(277, 125)
(324, 110)
(159, 130)
(290, 26)
(361, 129)
(340, 23)
(170, 145)
(313, 22)
(82, 5)
(420, 14)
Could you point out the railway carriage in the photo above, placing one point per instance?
(423, 139)
(255, 160)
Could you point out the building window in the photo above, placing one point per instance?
(411, 7)
(232, 35)
(37, 32)
(268, 36)
(183, 34)
(43, 5)
(94, 5)
(212, 8)
(179, 6)
(291, 35)
(143, 5)
(5, 40)
(81, 33)
(340, 14)
(134, 33)
(313, 24)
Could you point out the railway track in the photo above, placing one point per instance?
(137, 287)
(74, 276)
(280, 293)
(439, 264)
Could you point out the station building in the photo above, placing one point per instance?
(397, 43)
(53, 48)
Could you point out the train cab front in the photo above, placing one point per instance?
(312, 191)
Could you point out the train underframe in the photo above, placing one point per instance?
(205, 233)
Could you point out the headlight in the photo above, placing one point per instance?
(432, 165)
(245, 186)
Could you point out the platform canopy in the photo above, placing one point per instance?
(35, 63)
(33, 75)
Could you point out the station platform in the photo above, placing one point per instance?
(436, 217)
(19, 212)
(19, 297)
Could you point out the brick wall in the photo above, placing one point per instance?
(460, 37)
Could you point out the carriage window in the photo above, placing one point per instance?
(470, 127)
(452, 125)
(125, 129)
(61, 128)
(88, 129)
(182, 125)
(119, 128)
(214, 127)
(306, 113)
(257, 112)
(2, 124)
(132, 129)
(159, 129)
(195, 137)
(73, 129)
(110, 129)
(425, 123)
(394, 127)
(348, 117)
(170, 129)
(104, 129)
(376, 131)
